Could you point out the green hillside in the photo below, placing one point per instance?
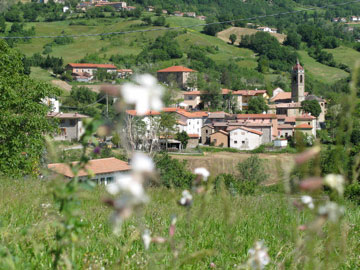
(133, 44)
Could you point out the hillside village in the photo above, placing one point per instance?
(284, 117)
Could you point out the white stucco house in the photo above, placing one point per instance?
(104, 170)
(53, 103)
(243, 138)
(191, 122)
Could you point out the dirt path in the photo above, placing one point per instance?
(224, 162)
(62, 85)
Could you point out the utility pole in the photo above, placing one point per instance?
(107, 105)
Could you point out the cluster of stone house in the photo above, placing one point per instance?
(242, 131)
(85, 72)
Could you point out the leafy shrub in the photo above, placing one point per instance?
(260, 149)
(352, 193)
(252, 170)
(173, 173)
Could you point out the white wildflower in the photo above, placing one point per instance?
(259, 257)
(186, 198)
(332, 211)
(126, 183)
(336, 182)
(142, 163)
(203, 172)
(146, 238)
(308, 201)
(146, 94)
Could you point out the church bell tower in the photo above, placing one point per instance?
(298, 83)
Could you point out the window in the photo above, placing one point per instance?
(206, 131)
(72, 122)
(301, 78)
(242, 133)
(109, 179)
(243, 142)
(102, 180)
(235, 142)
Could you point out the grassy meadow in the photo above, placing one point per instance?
(218, 228)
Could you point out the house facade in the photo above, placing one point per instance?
(243, 138)
(104, 170)
(83, 68)
(220, 138)
(70, 126)
(182, 76)
(192, 99)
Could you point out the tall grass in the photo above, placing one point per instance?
(218, 228)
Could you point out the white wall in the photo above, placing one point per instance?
(105, 178)
(244, 140)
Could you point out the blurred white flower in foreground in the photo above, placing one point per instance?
(259, 257)
(145, 94)
(130, 189)
(146, 238)
(126, 183)
(186, 198)
(142, 163)
(332, 211)
(335, 181)
(203, 172)
(308, 201)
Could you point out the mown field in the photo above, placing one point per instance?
(218, 228)
(225, 162)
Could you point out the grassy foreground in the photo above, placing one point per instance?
(219, 228)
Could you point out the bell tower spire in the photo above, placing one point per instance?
(298, 83)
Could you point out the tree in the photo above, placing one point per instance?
(183, 137)
(294, 40)
(233, 38)
(23, 116)
(311, 106)
(160, 21)
(263, 64)
(2, 24)
(211, 96)
(83, 95)
(257, 105)
(252, 169)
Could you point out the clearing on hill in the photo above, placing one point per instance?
(240, 31)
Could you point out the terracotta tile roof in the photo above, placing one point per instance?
(199, 114)
(97, 166)
(281, 116)
(256, 116)
(192, 93)
(225, 91)
(83, 65)
(148, 113)
(285, 126)
(176, 69)
(303, 126)
(223, 132)
(217, 115)
(289, 119)
(168, 109)
(61, 115)
(249, 92)
(124, 70)
(193, 136)
(298, 67)
(246, 129)
(283, 96)
(305, 117)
